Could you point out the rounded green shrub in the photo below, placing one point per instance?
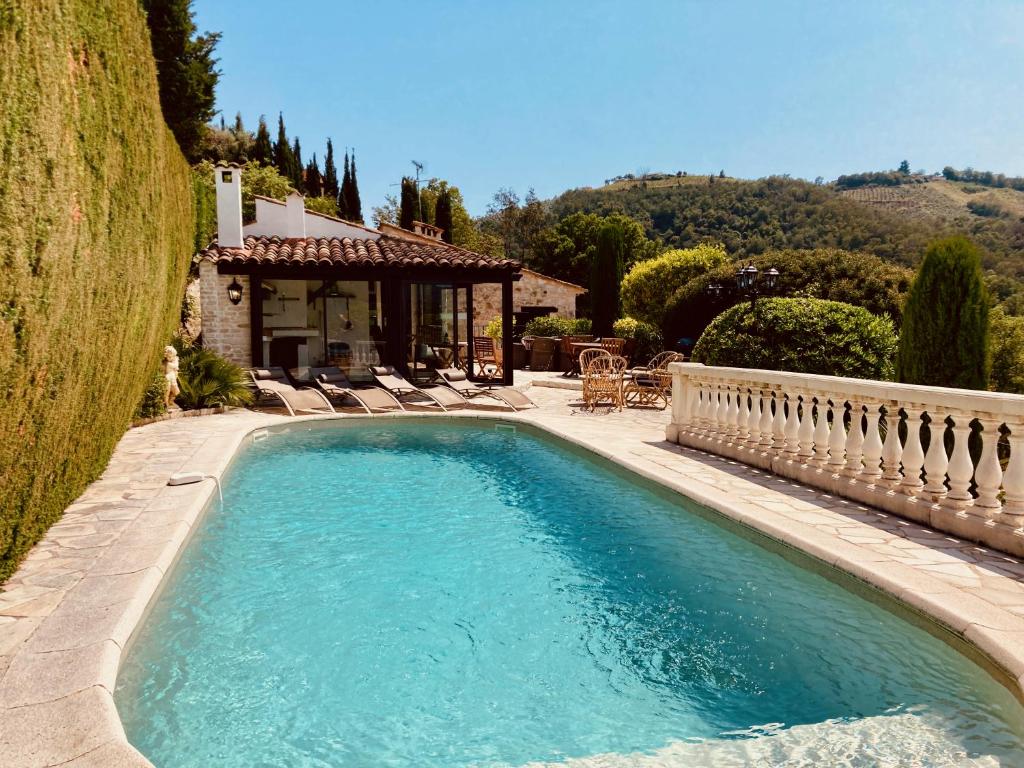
(647, 341)
(648, 286)
(557, 326)
(825, 273)
(1007, 345)
(801, 335)
(208, 380)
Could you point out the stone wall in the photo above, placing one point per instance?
(532, 290)
(226, 327)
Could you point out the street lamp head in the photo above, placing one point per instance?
(235, 291)
(741, 279)
(751, 271)
(714, 289)
(771, 278)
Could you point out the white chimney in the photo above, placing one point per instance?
(295, 223)
(228, 183)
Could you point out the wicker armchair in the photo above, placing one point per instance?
(603, 380)
(651, 385)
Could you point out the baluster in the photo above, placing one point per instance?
(837, 435)
(913, 454)
(989, 475)
(1013, 479)
(735, 421)
(705, 408)
(820, 436)
(792, 427)
(729, 394)
(743, 417)
(754, 418)
(779, 422)
(936, 461)
(892, 450)
(721, 416)
(805, 434)
(767, 419)
(872, 448)
(960, 470)
(854, 441)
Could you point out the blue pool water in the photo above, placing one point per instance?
(418, 594)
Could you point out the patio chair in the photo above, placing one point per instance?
(587, 356)
(542, 353)
(458, 381)
(603, 380)
(333, 382)
(651, 384)
(613, 345)
(566, 357)
(487, 355)
(395, 383)
(271, 389)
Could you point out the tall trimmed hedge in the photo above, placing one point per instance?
(97, 219)
(816, 336)
(648, 286)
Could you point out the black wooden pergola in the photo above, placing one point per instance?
(395, 281)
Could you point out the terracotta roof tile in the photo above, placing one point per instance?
(348, 252)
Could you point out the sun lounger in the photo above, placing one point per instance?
(270, 387)
(333, 382)
(458, 381)
(442, 397)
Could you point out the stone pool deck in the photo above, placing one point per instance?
(72, 607)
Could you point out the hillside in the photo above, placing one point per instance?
(750, 217)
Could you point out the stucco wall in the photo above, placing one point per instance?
(226, 327)
(532, 290)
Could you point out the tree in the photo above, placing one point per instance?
(409, 204)
(606, 278)
(388, 213)
(1007, 339)
(905, 168)
(566, 250)
(330, 173)
(284, 160)
(186, 71)
(314, 181)
(648, 286)
(355, 205)
(443, 214)
(262, 150)
(343, 194)
(721, 174)
(297, 166)
(944, 341)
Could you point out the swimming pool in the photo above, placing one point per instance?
(385, 593)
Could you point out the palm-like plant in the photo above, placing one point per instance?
(207, 380)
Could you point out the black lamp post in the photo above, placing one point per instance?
(235, 291)
(747, 284)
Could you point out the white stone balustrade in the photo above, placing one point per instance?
(952, 459)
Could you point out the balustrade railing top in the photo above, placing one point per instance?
(873, 441)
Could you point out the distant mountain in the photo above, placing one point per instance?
(894, 219)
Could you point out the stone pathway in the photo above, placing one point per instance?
(71, 608)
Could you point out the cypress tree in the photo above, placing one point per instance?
(262, 151)
(186, 71)
(443, 214)
(944, 340)
(606, 278)
(408, 204)
(297, 166)
(330, 173)
(284, 161)
(355, 205)
(314, 181)
(346, 180)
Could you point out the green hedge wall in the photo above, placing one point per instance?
(97, 221)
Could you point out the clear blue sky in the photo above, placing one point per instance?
(555, 95)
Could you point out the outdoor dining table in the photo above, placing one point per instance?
(579, 346)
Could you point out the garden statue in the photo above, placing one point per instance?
(171, 375)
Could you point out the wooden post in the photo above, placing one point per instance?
(256, 321)
(470, 330)
(506, 330)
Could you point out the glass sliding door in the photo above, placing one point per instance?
(431, 332)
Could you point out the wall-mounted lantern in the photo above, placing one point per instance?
(235, 291)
